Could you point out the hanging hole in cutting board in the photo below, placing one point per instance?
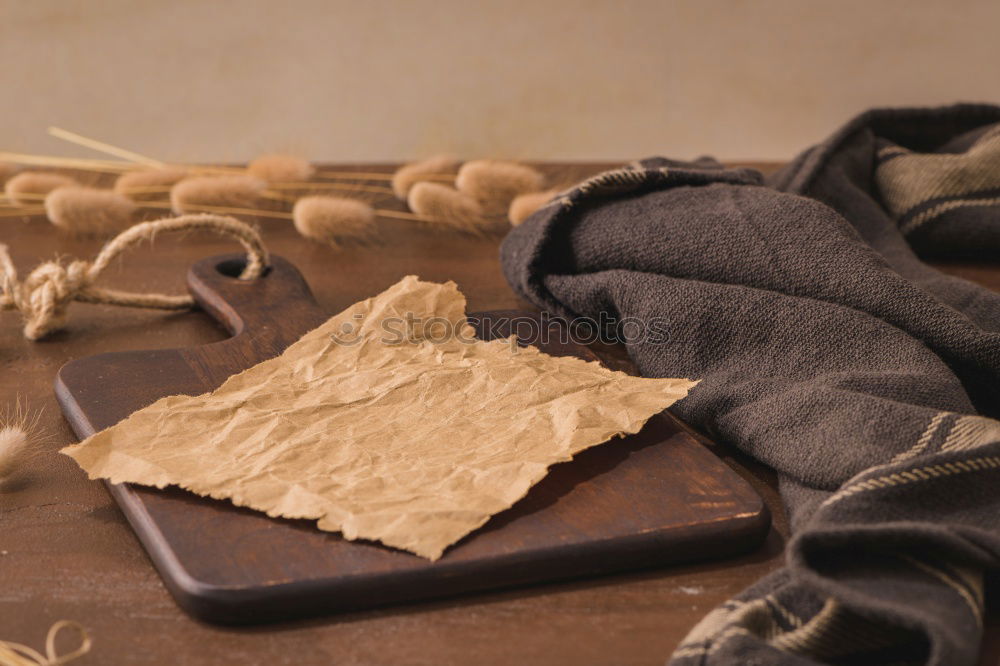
(233, 268)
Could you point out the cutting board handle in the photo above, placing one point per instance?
(280, 298)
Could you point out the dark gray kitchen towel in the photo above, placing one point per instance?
(826, 349)
(935, 172)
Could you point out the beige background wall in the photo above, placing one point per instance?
(575, 79)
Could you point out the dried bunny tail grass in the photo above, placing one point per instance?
(219, 191)
(355, 188)
(103, 147)
(148, 180)
(7, 171)
(56, 162)
(410, 174)
(31, 186)
(281, 169)
(18, 440)
(219, 210)
(333, 219)
(525, 205)
(494, 184)
(15, 444)
(440, 204)
(89, 211)
(127, 160)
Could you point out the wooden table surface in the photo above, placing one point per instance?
(67, 553)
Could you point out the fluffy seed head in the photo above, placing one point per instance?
(280, 168)
(14, 445)
(18, 439)
(231, 191)
(87, 210)
(133, 182)
(445, 205)
(30, 187)
(415, 172)
(7, 171)
(333, 219)
(494, 184)
(523, 206)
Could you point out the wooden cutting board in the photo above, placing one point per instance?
(653, 498)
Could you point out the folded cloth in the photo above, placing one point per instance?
(936, 173)
(826, 349)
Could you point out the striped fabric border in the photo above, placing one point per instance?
(644, 176)
(967, 584)
(831, 633)
(834, 631)
(954, 432)
(920, 187)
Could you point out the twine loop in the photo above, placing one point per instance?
(16, 654)
(43, 298)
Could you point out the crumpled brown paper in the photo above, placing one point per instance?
(413, 440)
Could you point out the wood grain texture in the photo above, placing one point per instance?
(67, 552)
(650, 499)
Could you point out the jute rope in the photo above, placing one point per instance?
(44, 296)
(15, 654)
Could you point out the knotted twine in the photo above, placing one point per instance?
(43, 297)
